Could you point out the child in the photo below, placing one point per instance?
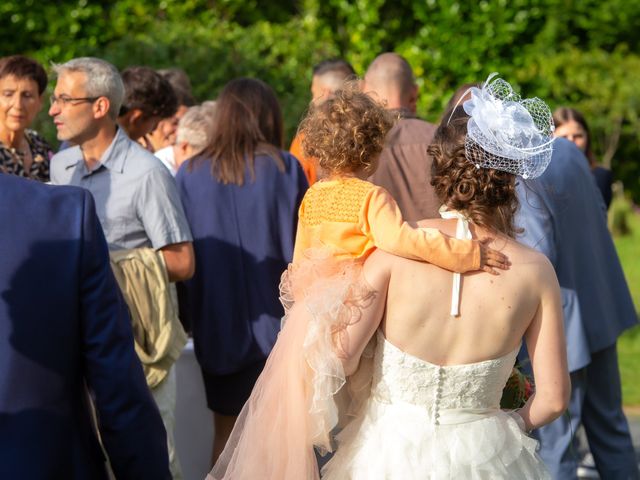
(341, 220)
(351, 216)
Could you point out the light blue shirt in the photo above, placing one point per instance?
(136, 197)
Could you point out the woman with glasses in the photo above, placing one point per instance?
(23, 151)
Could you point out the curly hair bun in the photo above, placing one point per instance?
(487, 196)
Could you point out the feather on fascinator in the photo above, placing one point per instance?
(506, 132)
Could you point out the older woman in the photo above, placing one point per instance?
(22, 151)
(192, 136)
(241, 197)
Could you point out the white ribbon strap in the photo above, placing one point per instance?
(462, 233)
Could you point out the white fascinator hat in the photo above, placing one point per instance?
(506, 132)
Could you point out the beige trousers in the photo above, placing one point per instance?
(165, 396)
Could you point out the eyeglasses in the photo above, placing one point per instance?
(63, 100)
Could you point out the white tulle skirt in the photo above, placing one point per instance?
(303, 396)
(396, 441)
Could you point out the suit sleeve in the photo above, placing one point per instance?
(129, 421)
(383, 221)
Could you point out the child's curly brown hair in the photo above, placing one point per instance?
(346, 133)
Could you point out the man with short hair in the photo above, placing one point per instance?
(164, 135)
(148, 99)
(136, 198)
(65, 336)
(404, 167)
(328, 77)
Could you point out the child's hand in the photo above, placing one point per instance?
(490, 259)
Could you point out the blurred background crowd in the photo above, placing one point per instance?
(580, 54)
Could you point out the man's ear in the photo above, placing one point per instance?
(101, 107)
(135, 116)
(130, 119)
(181, 151)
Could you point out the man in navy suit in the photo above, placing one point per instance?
(65, 334)
(564, 217)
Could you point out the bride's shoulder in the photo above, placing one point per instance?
(530, 258)
(529, 254)
(383, 263)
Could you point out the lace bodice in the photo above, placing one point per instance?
(400, 377)
(427, 422)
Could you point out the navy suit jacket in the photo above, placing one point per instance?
(564, 216)
(65, 331)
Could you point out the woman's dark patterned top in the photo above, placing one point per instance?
(12, 161)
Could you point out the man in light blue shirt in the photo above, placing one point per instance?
(136, 197)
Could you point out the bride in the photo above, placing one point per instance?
(440, 367)
(425, 354)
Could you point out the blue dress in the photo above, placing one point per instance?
(243, 238)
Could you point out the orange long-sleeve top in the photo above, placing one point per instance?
(352, 217)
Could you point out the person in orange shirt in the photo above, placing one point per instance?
(341, 220)
(328, 76)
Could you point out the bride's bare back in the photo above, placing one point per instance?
(413, 301)
(495, 311)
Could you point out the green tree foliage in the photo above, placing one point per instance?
(580, 53)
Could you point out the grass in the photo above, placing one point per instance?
(629, 361)
(628, 248)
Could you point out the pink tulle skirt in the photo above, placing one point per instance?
(299, 397)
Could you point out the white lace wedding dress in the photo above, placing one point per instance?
(424, 421)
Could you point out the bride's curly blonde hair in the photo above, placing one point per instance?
(346, 133)
(487, 196)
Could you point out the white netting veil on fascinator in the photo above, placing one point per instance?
(506, 132)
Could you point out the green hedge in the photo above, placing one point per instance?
(574, 53)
